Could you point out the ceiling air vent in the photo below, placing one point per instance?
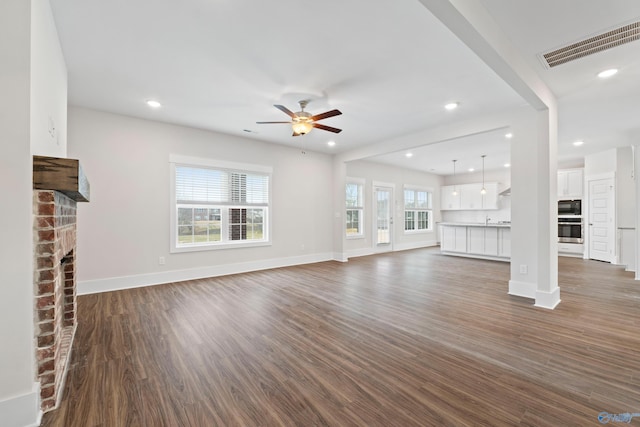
(598, 43)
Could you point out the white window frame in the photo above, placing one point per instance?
(416, 189)
(175, 160)
(361, 185)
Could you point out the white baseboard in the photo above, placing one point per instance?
(396, 247)
(522, 289)
(548, 299)
(412, 245)
(127, 282)
(23, 410)
(354, 253)
(340, 257)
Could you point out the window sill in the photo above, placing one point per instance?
(359, 236)
(410, 232)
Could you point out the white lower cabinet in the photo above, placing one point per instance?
(454, 239)
(476, 241)
(491, 241)
(504, 242)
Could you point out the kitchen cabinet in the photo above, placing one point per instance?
(490, 200)
(454, 239)
(483, 240)
(570, 184)
(469, 197)
(447, 200)
(492, 241)
(504, 242)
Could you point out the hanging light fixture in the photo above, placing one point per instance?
(484, 190)
(455, 190)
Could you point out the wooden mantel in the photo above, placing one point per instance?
(63, 175)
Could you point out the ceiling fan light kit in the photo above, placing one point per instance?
(302, 122)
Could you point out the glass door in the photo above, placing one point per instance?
(383, 227)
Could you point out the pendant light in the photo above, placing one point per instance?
(484, 190)
(455, 191)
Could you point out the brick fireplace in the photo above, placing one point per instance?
(58, 185)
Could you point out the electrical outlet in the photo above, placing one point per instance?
(523, 269)
(161, 261)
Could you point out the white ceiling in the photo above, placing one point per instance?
(389, 66)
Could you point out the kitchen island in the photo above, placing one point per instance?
(476, 240)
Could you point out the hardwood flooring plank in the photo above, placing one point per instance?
(410, 338)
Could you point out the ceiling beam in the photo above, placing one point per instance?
(476, 28)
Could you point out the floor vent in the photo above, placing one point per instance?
(595, 44)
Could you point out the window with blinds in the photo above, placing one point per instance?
(215, 207)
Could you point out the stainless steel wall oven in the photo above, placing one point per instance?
(570, 229)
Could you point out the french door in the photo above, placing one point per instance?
(383, 222)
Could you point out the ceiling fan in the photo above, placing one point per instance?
(302, 122)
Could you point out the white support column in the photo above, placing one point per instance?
(534, 250)
(534, 263)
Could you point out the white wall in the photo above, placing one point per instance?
(33, 85)
(503, 213)
(16, 253)
(48, 85)
(377, 172)
(125, 228)
(602, 162)
(625, 189)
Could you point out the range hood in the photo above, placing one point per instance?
(506, 192)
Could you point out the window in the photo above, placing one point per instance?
(218, 207)
(417, 210)
(354, 212)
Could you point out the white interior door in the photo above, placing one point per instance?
(601, 224)
(383, 224)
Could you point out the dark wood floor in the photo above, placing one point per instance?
(405, 339)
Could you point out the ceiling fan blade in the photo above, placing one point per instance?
(285, 110)
(326, 115)
(329, 128)
(296, 134)
(263, 123)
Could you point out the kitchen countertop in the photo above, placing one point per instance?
(476, 224)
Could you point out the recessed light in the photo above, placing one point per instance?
(578, 143)
(153, 104)
(507, 165)
(409, 155)
(607, 73)
(331, 143)
(451, 106)
(471, 169)
(508, 135)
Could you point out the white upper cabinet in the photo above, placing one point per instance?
(469, 197)
(449, 201)
(570, 184)
(490, 200)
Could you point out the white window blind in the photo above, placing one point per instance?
(217, 207)
(220, 187)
